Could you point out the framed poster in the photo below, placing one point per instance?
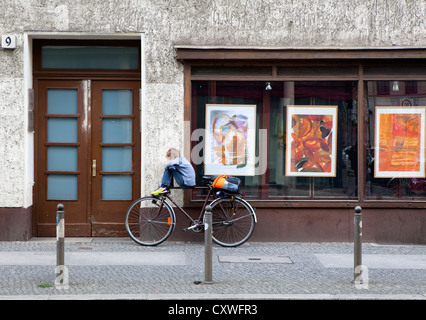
(230, 142)
(311, 141)
(399, 142)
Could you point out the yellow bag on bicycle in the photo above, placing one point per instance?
(227, 183)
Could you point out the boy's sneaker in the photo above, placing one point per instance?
(160, 190)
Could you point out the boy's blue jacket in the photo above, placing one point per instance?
(185, 169)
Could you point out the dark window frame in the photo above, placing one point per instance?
(371, 64)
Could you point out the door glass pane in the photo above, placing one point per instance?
(117, 130)
(61, 158)
(62, 101)
(116, 187)
(62, 130)
(117, 102)
(116, 158)
(90, 57)
(62, 187)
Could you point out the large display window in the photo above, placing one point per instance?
(333, 128)
(305, 136)
(395, 140)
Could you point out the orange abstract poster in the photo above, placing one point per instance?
(399, 143)
(311, 141)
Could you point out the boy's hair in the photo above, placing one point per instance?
(173, 153)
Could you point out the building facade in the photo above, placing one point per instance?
(326, 98)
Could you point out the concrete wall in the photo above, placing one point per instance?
(165, 23)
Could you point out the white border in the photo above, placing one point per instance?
(311, 110)
(219, 169)
(399, 110)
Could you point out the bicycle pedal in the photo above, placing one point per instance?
(191, 227)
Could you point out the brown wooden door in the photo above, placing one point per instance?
(87, 155)
(115, 152)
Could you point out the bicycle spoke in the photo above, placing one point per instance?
(233, 222)
(149, 221)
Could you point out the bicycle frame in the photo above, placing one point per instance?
(206, 201)
(228, 209)
(196, 222)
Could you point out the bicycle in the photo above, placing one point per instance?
(150, 220)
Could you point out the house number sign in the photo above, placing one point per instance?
(8, 42)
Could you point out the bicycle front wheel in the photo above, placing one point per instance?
(233, 221)
(150, 221)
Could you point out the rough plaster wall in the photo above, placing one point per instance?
(11, 143)
(167, 22)
(12, 133)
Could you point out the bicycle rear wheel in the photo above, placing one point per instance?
(233, 221)
(150, 221)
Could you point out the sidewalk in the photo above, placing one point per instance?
(118, 268)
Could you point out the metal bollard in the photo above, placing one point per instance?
(60, 271)
(358, 246)
(208, 228)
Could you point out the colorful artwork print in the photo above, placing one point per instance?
(311, 141)
(399, 144)
(230, 139)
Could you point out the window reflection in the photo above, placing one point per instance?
(271, 109)
(399, 95)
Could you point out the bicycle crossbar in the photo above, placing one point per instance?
(196, 188)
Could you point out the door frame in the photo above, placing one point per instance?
(99, 217)
(34, 73)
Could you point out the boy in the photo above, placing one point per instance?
(179, 168)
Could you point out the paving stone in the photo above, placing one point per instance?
(306, 277)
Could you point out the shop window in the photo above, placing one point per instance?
(395, 134)
(410, 87)
(272, 101)
(383, 88)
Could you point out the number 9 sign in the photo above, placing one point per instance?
(8, 42)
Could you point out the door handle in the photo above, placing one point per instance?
(93, 168)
